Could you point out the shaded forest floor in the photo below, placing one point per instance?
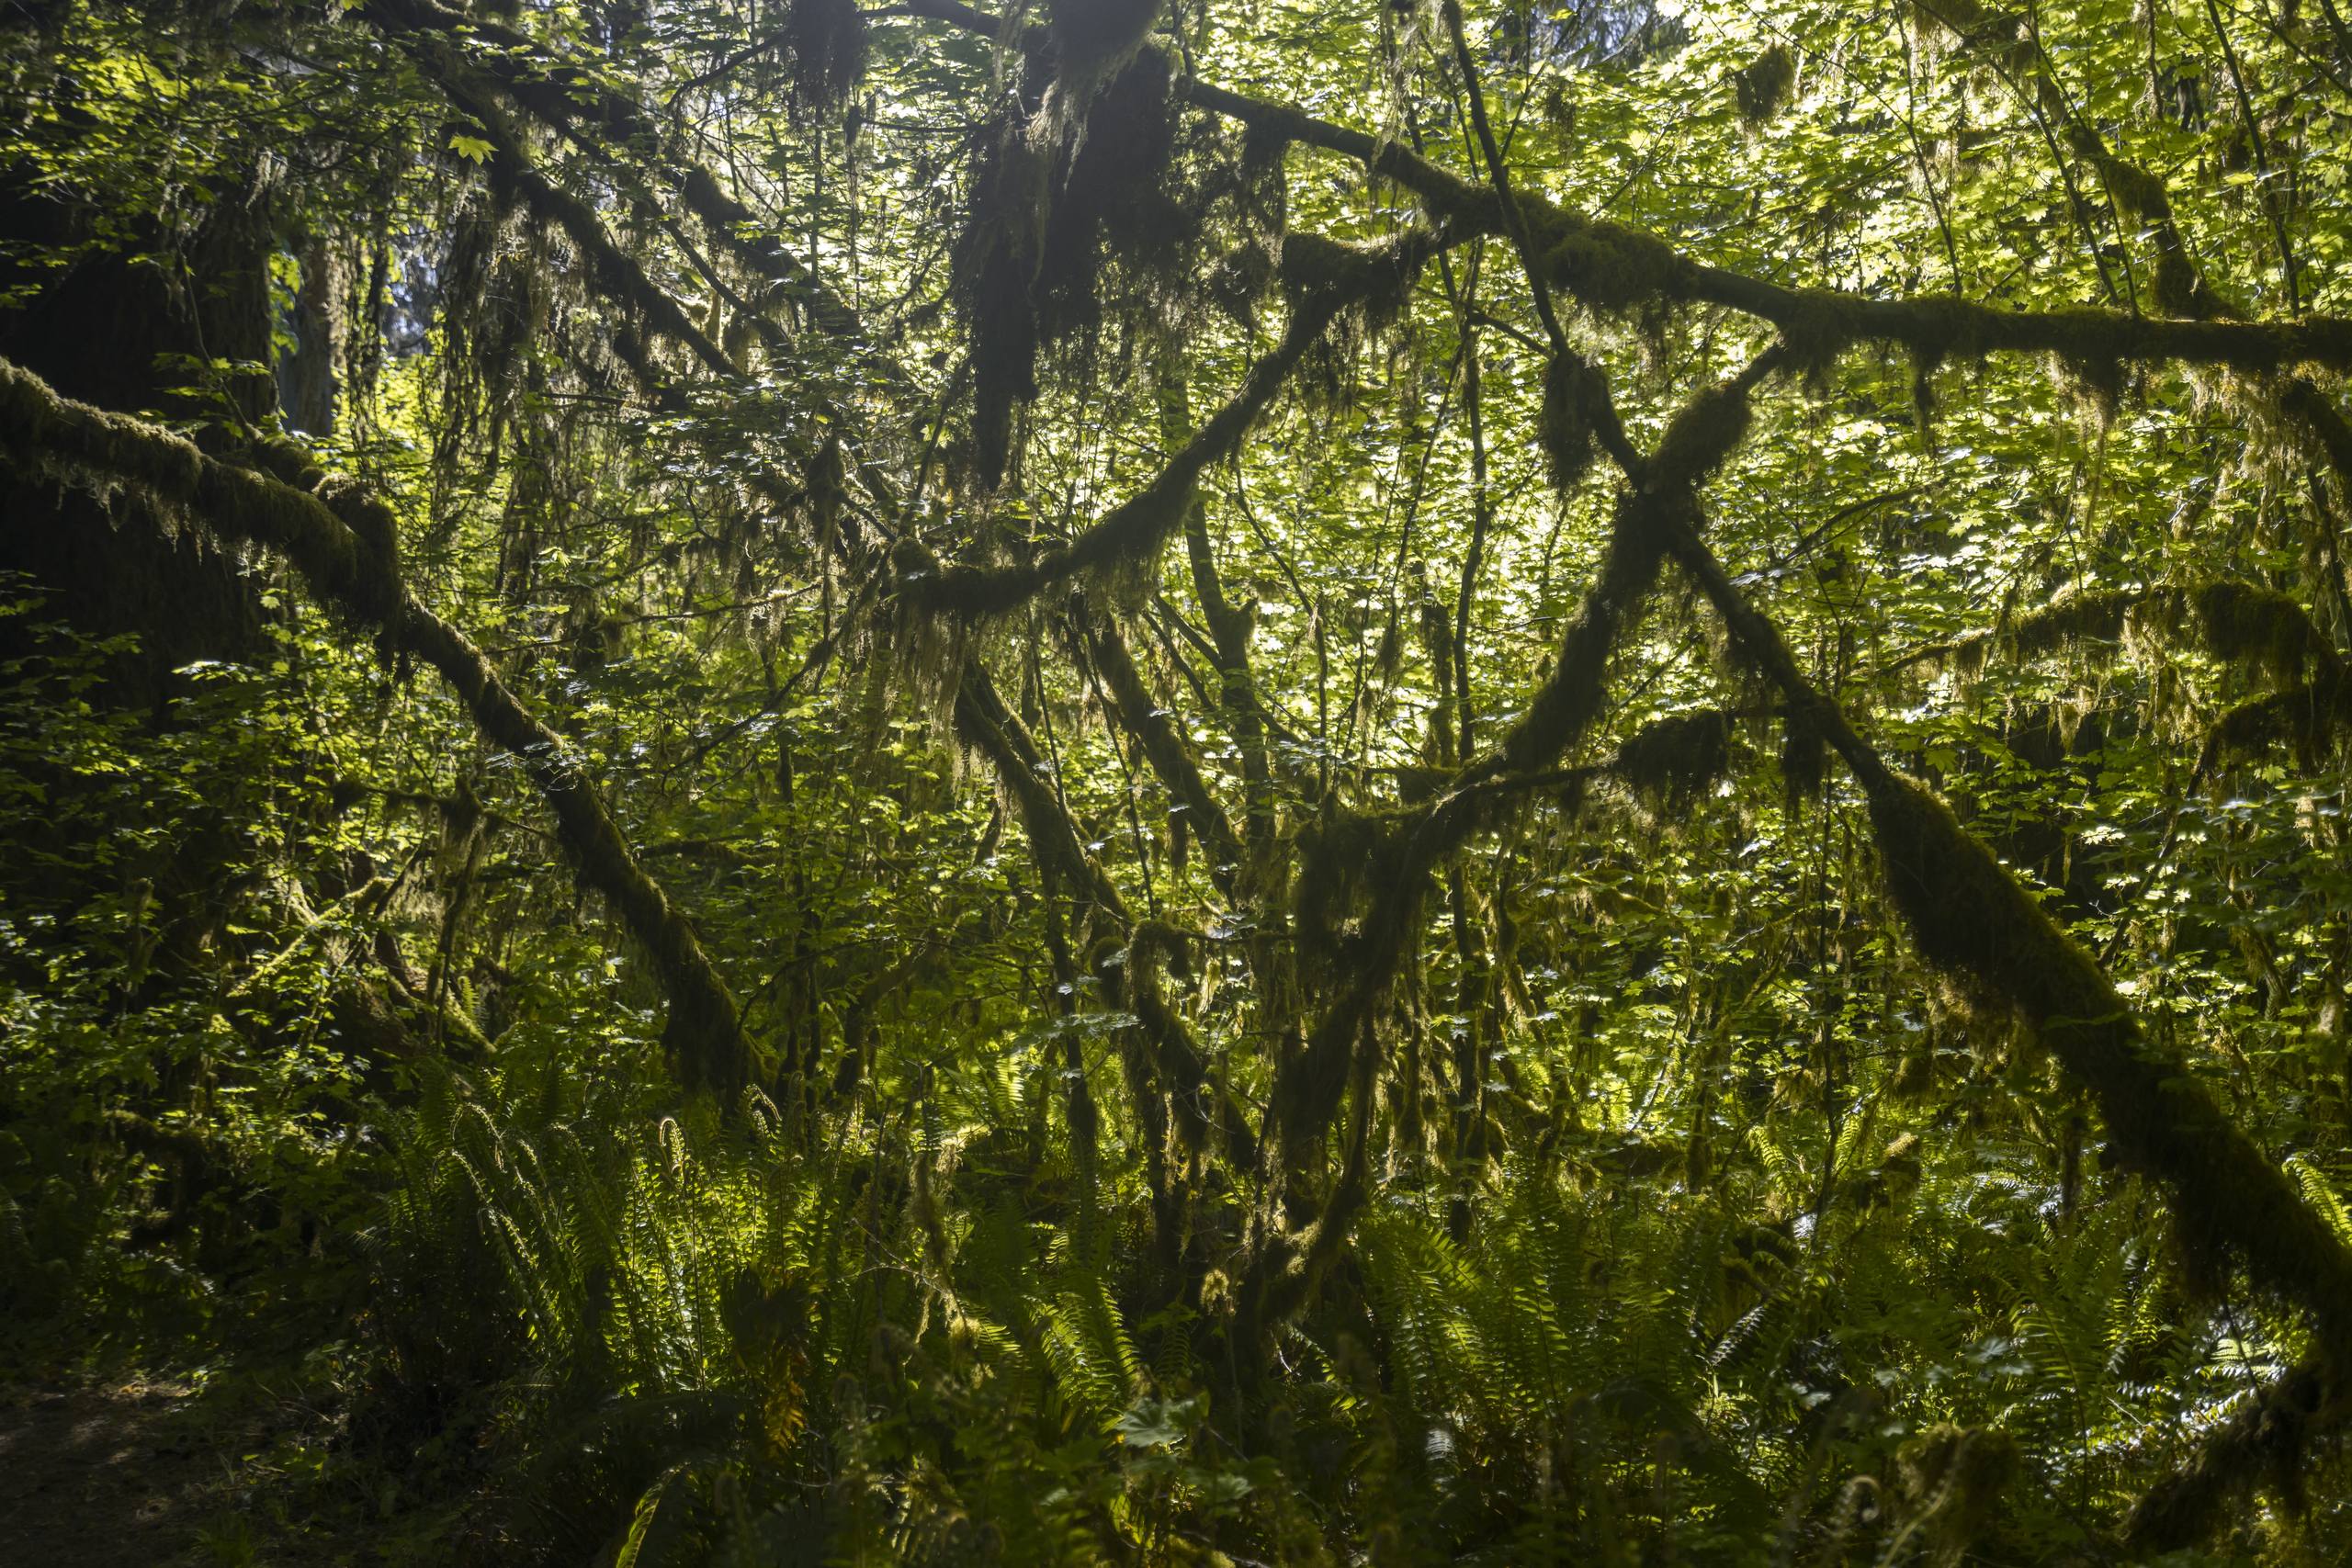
(133, 1469)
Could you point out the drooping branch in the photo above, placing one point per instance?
(1133, 531)
(2238, 623)
(613, 272)
(1971, 919)
(2139, 197)
(1392, 860)
(1164, 1063)
(1162, 742)
(1613, 267)
(573, 96)
(2266, 1442)
(340, 538)
(990, 728)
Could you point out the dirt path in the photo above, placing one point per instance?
(108, 1473)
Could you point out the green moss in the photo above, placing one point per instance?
(2139, 196)
(2179, 289)
(1969, 916)
(1672, 762)
(2071, 618)
(1566, 429)
(1967, 654)
(2305, 717)
(1914, 1074)
(1698, 1162)
(1953, 1478)
(1611, 268)
(1972, 920)
(1703, 434)
(374, 589)
(1761, 87)
(2243, 624)
(827, 45)
(1817, 334)
(1377, 280)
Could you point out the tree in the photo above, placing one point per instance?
(1404, 782)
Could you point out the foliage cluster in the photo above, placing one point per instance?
(1165, 782)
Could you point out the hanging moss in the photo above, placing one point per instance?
(2264, 1441)
(1337, 857)
(2074, 617)
(343, 567)
(1567, 425)
(1093, 39)
(1125, 538)
(1805, 760)
(1376, 279)
(2240, 624)
(2139, 196)
(1925, 362)
(2243, 624)
(1670, 762)
(1611, 268)
(995, 265)
(2095, 378)
(1914, 1073)
(1817, 334)
(1358, 290)
(1966, 655)
(825, 41)
(1056, 214)
(1113, 205)
(1761, 87)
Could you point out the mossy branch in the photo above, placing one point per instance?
(616, 275)
(326, 535)
(2141, 200)
(1163, 744)
(2237, 622)
(1174, 1065)
(986, 724)
(1394, 858)
(573, 97)
(1971, 919)
(1613, 268)
(1135, 530)
(2266, 1442)
(1610, 267)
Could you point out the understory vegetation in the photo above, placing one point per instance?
(1138, 781)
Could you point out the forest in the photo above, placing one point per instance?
(1175, 782)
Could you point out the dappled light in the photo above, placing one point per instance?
(1131, 781)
